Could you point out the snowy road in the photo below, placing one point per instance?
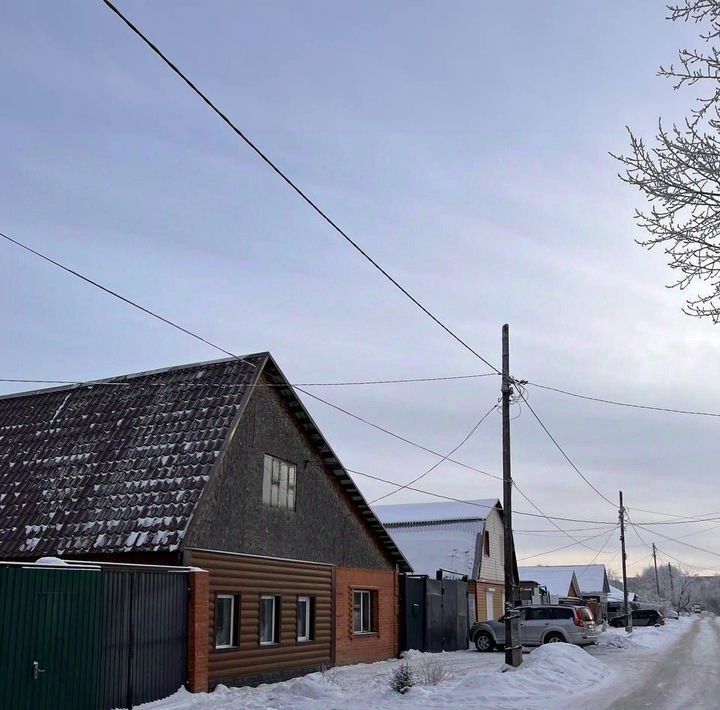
(686, 675)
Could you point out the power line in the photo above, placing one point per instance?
(472, 503)
(599, 552)
(683, 562)
(679, 542)
(440, 461)
(266, 159)
(562, 451)
(396, 436)
(122, 298)
(625, 404)
(572, 544)
(299, 384)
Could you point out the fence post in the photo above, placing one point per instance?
(198, 631)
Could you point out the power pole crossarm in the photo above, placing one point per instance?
(513, 647)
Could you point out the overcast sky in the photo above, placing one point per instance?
(464, 144)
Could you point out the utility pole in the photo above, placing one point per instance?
(672, 585)
(628, 616)
(513, 647)
(657, 582)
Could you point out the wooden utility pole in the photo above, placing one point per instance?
(513, 647)
(657, 581)
(628, 615)
(672, 585)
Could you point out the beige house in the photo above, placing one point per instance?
(459, 538)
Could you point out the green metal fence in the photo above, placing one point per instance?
(49, 638)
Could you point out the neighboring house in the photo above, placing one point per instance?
(460, 538)
(592, 584)
(216, 465)
(594, 588)
(616, 594)
(560, 582)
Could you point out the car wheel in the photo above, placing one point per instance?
(484, 642)
(554, 638)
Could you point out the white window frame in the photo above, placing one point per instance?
(364, 594)
(279, 483)
(308, 618)
(273, 630)
(231, 597)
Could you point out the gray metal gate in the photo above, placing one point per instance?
(143, 651)
(435, 614)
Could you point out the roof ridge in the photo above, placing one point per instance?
(133, 375)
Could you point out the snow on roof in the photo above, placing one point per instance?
(429, 547)
(616, 594)
(557, 580)
(435, 512)
(592, 579)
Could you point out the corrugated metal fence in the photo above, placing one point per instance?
(90, 637)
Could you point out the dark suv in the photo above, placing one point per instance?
(640, 617)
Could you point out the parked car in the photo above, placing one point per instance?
(671, 614)
(546, 623)
(697, 609)
(640, 617)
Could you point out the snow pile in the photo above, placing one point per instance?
(548, 676)
(616, 638)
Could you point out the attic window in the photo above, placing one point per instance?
(279, 479)
(486, 544)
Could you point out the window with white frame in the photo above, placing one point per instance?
(304, 619)
(364, 611)
(226, 610)
(279, 479)
(269, 620)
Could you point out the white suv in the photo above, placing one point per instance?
(541, 623)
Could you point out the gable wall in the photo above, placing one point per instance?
(325, 527)
(492, 568)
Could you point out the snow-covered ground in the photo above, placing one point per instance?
(551, 677)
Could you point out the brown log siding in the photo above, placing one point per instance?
(251, 577)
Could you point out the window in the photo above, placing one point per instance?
(537, 614)
(305, 614)
(227, 609)
(560, 613)
(269, 620)
(278, 483)
(486, 544)
(364, 603)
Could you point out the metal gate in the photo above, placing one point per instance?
(144, 636)
(90, 637)
(435, 614)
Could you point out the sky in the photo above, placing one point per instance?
(465, 145)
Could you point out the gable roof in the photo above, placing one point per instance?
(559, 581)
(435, 536)
(592, 579)
(435, 512)
(120, 465)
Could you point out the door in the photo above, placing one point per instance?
(537, 622)
(50, 650)
(490, 605)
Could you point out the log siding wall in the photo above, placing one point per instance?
(251, 577)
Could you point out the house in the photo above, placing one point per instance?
(560, 581)
(458, 538)
(592, 584)
(217, 466)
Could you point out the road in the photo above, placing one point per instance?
(687, 675)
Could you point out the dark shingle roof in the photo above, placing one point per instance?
(114, 466)
(119, 465)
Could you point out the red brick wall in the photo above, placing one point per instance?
(198, 620)
(382, 643)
